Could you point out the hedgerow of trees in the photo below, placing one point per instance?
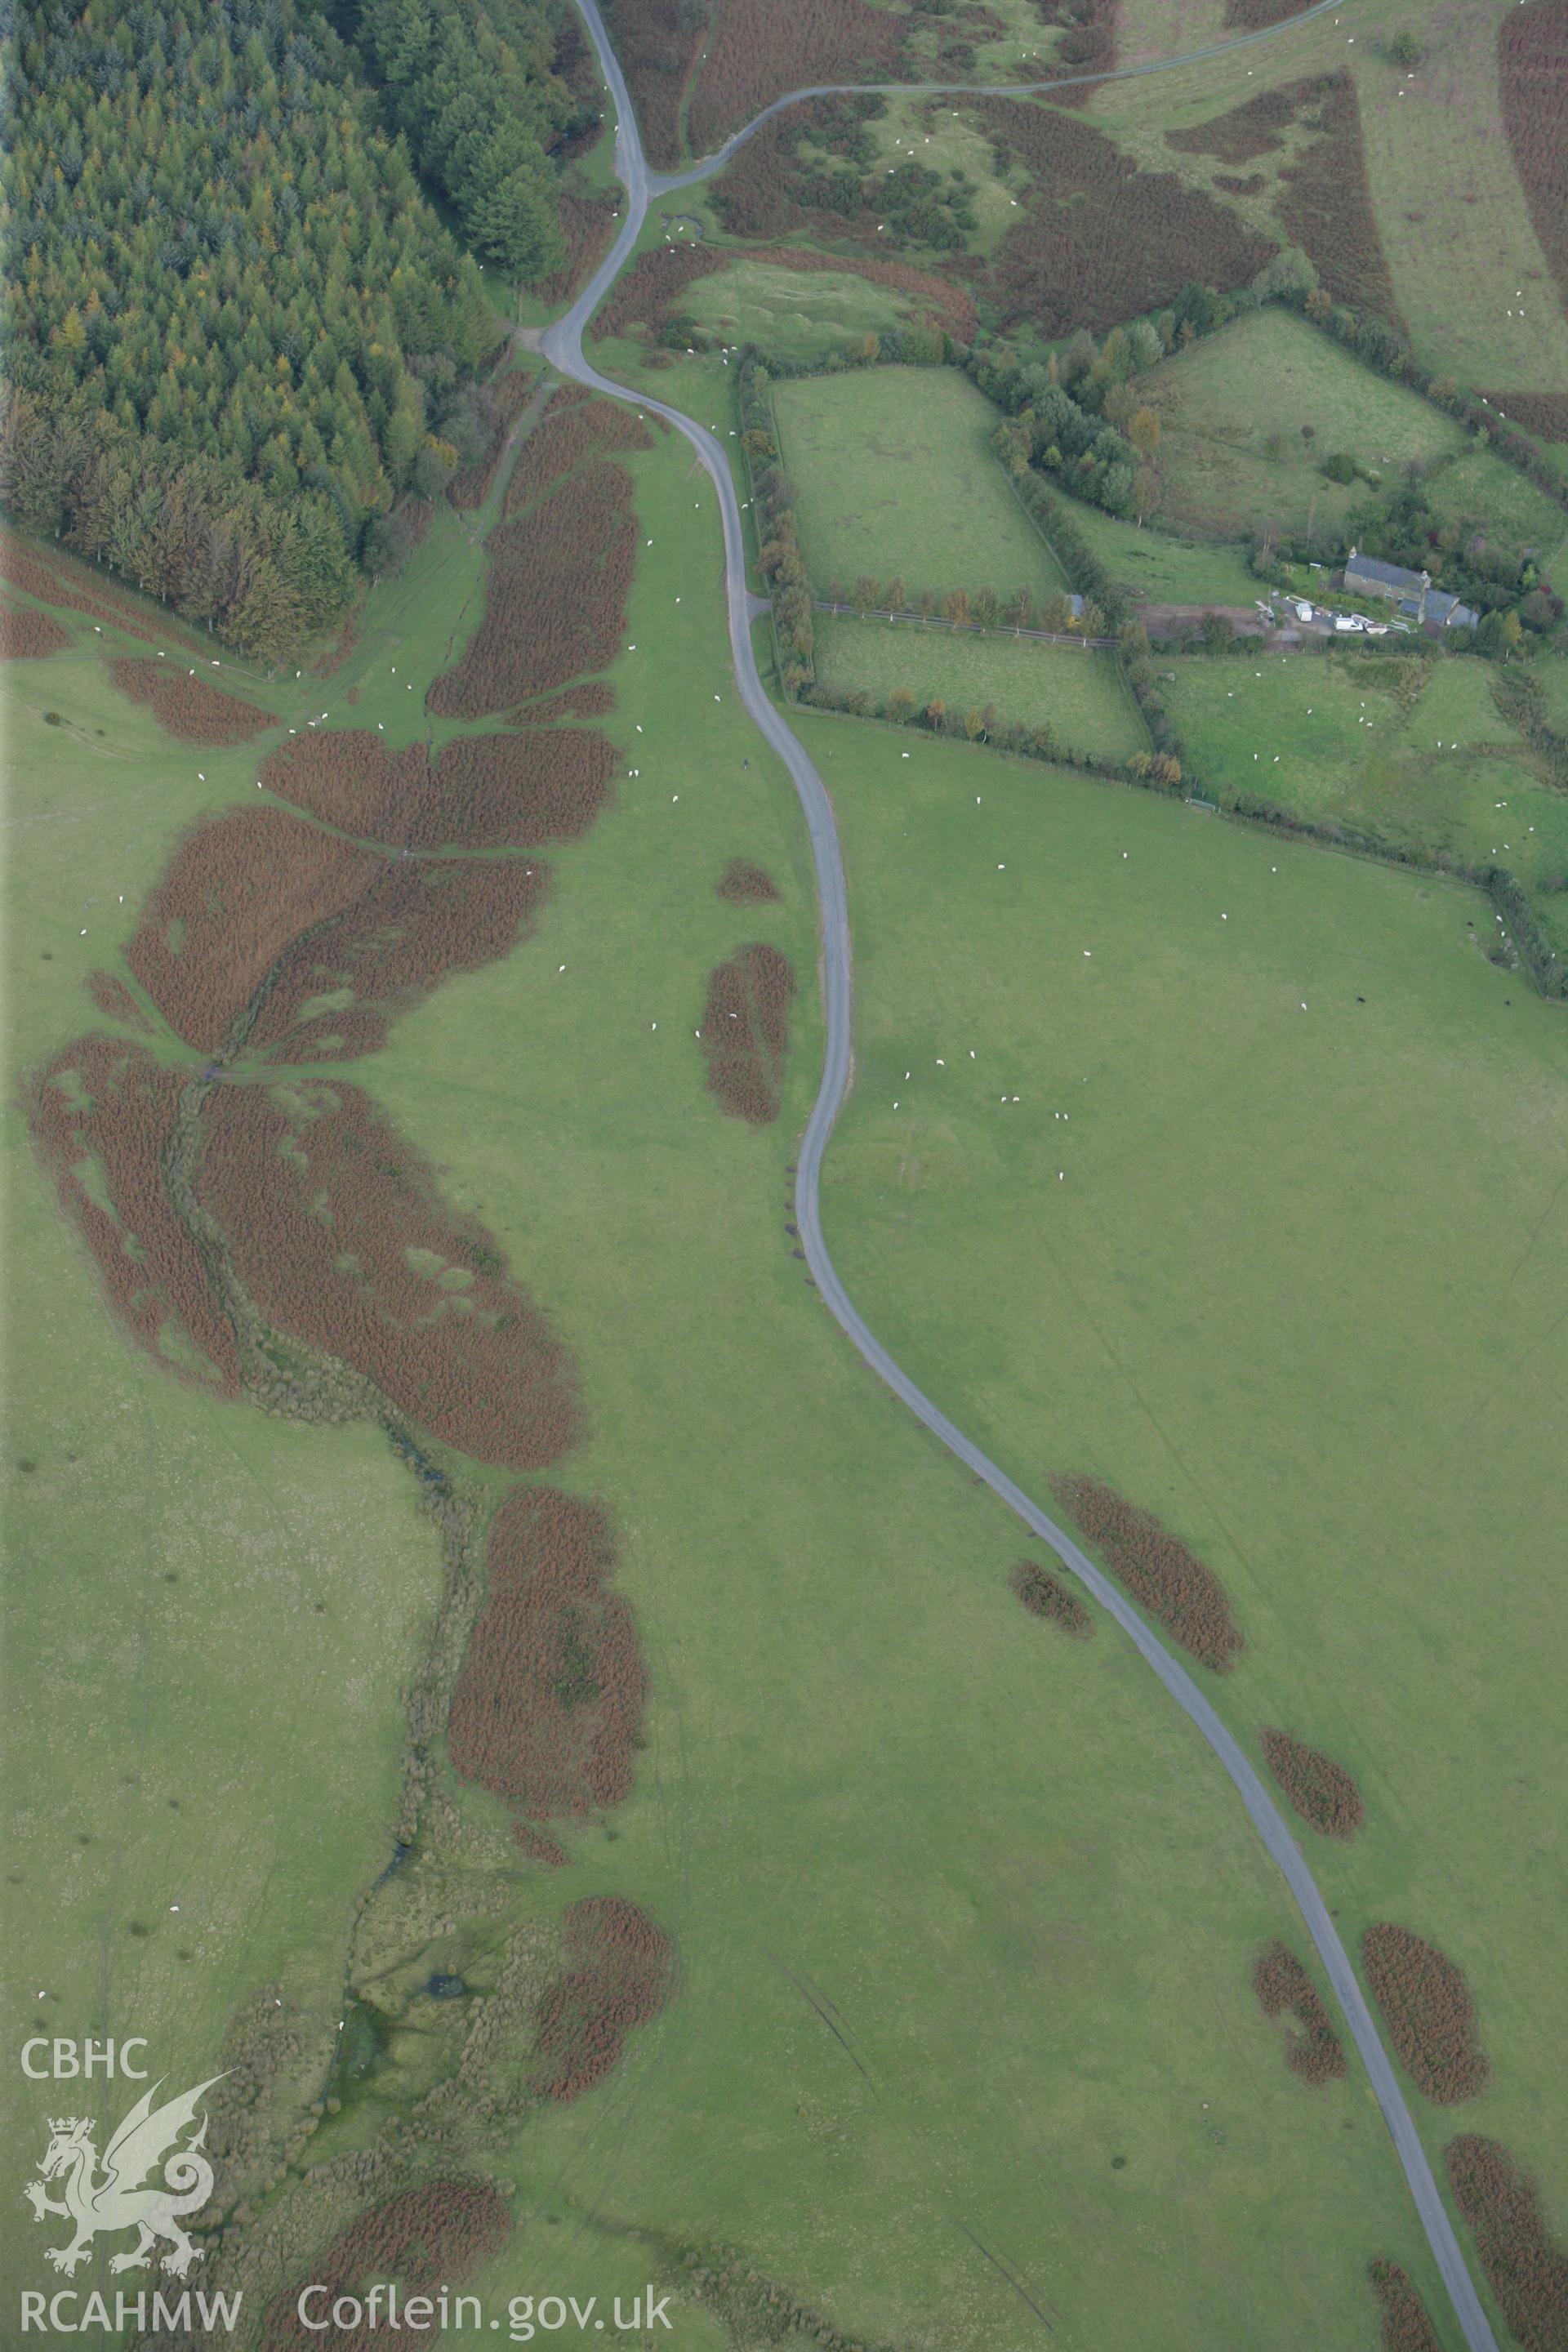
(1079, 420)
(237, 335)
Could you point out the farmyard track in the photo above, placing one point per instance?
(562, 346)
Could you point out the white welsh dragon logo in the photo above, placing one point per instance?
(118, 2202)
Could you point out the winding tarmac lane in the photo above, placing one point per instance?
(664, 182)
(562, 346)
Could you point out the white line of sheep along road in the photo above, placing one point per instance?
(562, 346)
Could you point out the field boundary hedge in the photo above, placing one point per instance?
(1167, 769)
(772, 503)
(1013, 738)
(909, 616)
(1543, 964)
(927, 346)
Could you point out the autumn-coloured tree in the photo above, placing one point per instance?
(1143, 430)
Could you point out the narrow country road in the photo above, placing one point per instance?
(663, 183)
(562, 346)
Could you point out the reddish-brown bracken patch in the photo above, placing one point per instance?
(434, 2237)
(1545, 413)
(338, 651)
(745, 1031)
(237, 892)
(1255, 15)
(548, 1705)
(27, 634)
(594, 698)
(1407, 2325)
(1251, 129)
(650, 292)
(555, 596)
(1087, 46)
(113, 998)
(339, 1235)
(1099, 240)
(505, 397)
(188, 707)
(333, 994)
(488, 791)
(745, 884)
(588, 224)
(1326, 206)
(102, 1114)
(348, 777)
(547, 784)
(1045, 1595)
(1321, 1790)
(617, 1977)
(1533, 73)
(657, 42)
(1427, 2009)
(567, 435)
(758, 50)
(1502, 2209)
(538, 1847)
(75, 587)
(1158, 1570)
(1285, 1990)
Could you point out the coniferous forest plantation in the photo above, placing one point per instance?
(242, 338)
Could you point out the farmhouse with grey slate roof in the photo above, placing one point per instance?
(1412, 590)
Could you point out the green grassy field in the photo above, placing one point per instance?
(1164, 29)
(1482, 492)
(895, 475)
(805, 312)
(1553, 677)
(1157, 567)
(819, 1785)
(1438, 162)
(1448, 772)
(1451, 213)
(1010, 41)
(209, 1614)
(1000, 1855)
(1271, 1239)
(1232, 407)
(932, 132)
(1479, 492)
(1079, 694)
